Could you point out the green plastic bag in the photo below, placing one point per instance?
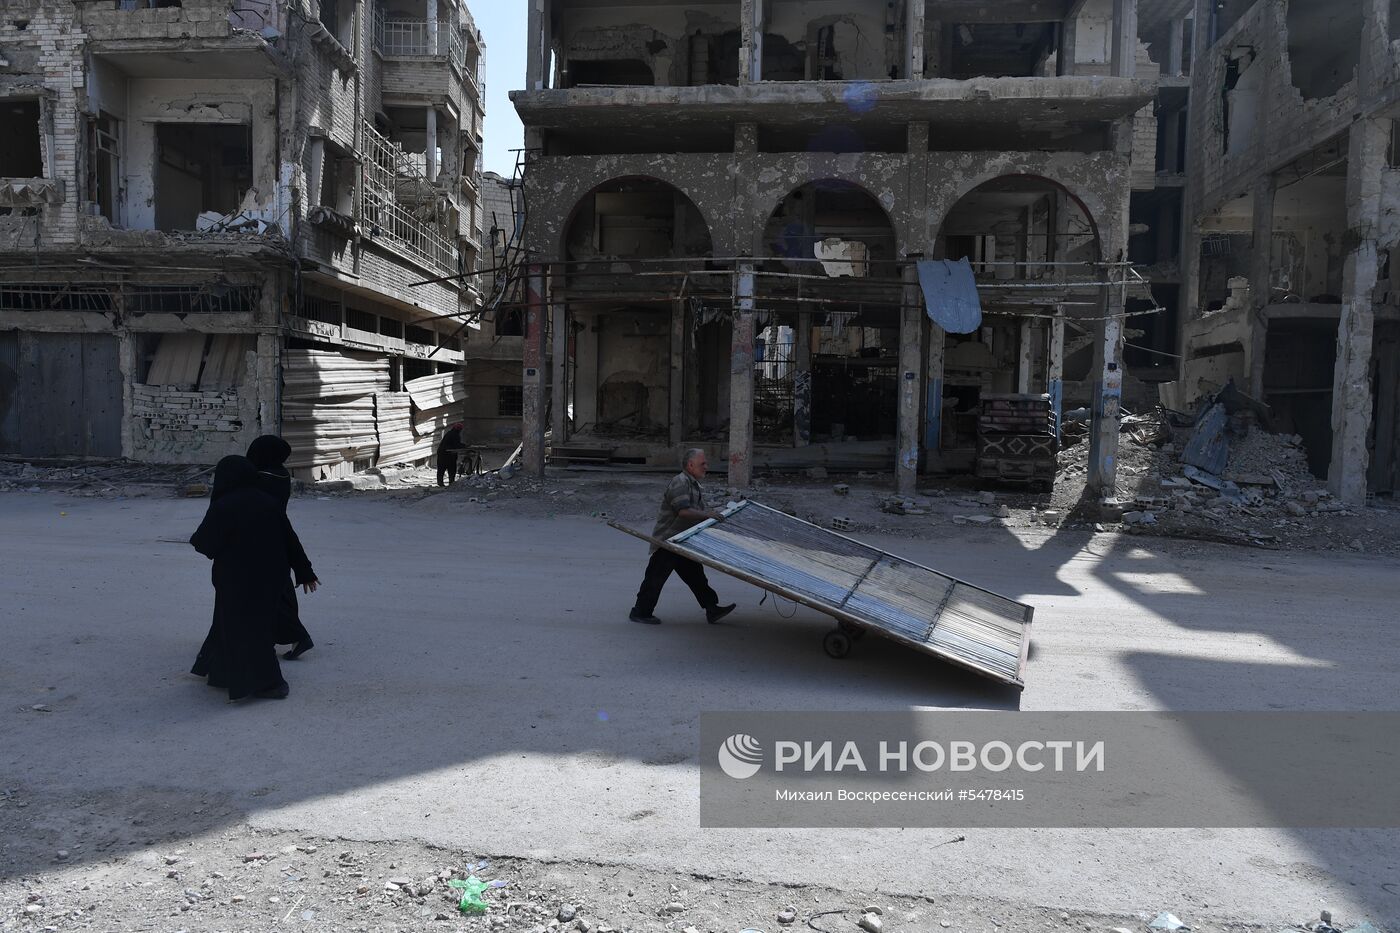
(472, 901)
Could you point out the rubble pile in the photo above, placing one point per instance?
(1265, 496)
(104, 478)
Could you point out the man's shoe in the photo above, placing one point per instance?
(647, 619)
(715, 613)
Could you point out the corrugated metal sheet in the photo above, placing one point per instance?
(397, 442)
(440, 391)
(917, 605)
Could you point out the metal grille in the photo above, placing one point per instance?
(325, 310)
(361, 320)
(192, 299)
(773, 386)
(419, 335)
(911, 603)
(410, 38)
(510, 401)
(421, 228)
(42, 297)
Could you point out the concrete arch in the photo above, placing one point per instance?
(854, 183)
(551, 210)
(1099, 187)
(885, 179)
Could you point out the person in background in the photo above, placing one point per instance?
(269, 455)
(244, 534)
(682, 506)
(447, 453)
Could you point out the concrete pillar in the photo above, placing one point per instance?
(532, 379)
(1125, 38)
(559, 375)
(752, 24)
(1026, 361)
(537, 57)
(316, 162)
(802, 382)
(1260, 269)
(677, 394)
(430, 152)
(1055, 370)
(1176, 36)
(911, 354)
(1351, 396)
(741, 365)
(914, 39)
(1108, 391)
(431, 9)
(933, 401)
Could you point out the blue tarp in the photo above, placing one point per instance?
(950, 295)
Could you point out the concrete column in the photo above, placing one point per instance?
(933, 401)
(532, 379)
(431, 8)
(1108, 392)
(752, 22)
(914, 39)
(802, 381)
(911, 354)
(537, 56)
(430, 152)
(1176, 36)
(316, 162)
(1027, 361)
(1260, 267)
(559, 375)
(1351, 396)
(741, 365)
(1055, 370)
(1124, 38)
(677, 394)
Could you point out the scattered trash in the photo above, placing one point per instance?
(472, 901)
(871, 923)
(1167, 921)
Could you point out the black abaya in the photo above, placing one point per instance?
(244, 534)
(268, 454)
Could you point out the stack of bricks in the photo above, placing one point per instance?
(164, 408)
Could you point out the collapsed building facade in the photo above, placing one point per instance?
(726, 203)
(215, 216)
(1292, 226)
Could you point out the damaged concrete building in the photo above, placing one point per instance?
(728, 202)
(214, 219)
(1290, 250)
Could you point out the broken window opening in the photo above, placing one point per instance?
(212, 298)
(338, 16)
(388, 327)
(21, 141)
(510, 401)
(104, 166)
(419, 335)
(996, 50)
(628, 72)
(783, 60)
(338, 176)
(1324, 46)
(1239, 100)
(361, 320)
(202, 168)
(51, 297)
(414, 368)
(510, 322)
(713, 59)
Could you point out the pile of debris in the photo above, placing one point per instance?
(1218, 476)
(104, 478)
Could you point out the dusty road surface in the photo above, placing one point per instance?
(477, 693)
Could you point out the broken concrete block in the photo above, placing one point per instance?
(841, 489)
(840, 523)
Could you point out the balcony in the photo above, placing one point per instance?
(216, 38)
(414, 57)
(1012, 101)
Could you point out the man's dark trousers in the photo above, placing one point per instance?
(659, 570)
(447, 463)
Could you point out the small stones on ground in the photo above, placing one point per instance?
(401, 881)
(872, 909)
(1003, 511)
(987, 498)
(787, 915)
(1064, 915)
(871, 923)
(582, 925)
(236, 899)
(566, 913)
(254, 857)
(61, 855)
(675, 907)
(944, 923)
(41, 708)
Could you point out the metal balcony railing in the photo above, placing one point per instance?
(409, 38)
(423, 228)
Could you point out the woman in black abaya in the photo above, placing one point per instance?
(244, 534)
(268, 454)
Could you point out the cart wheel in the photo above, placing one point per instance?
(853, 631)
(837, 644)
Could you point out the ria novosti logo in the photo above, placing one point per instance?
(741, 756)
